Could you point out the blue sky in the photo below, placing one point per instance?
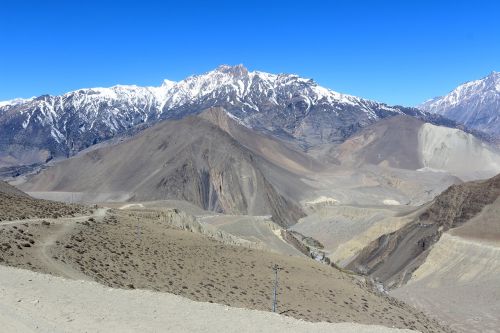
(398, 52)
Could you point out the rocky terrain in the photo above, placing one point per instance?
(138, 250)
(344, 230)
(7, 189)
(394, 257)
(215, 162)
(403, 142)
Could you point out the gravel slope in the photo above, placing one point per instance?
(35, 302)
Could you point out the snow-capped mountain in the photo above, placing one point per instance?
(16, 101)
(283, 105)
(475, 104)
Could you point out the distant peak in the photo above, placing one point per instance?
(237, 70)
(16, 101)
(492, 81)
(168, 83)
(495, 75)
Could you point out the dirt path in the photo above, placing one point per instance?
(43, 248)
(52, 264)
(55, 265)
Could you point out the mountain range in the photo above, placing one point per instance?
(286, 106)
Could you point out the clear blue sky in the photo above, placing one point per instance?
(399, 52)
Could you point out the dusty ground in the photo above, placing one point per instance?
(32, 302)
(120, 250)
(344, 230)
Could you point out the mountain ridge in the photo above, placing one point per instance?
(286, 106)
(475, 103)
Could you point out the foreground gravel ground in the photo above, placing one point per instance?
(34, 302)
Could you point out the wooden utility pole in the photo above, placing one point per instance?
(275, 289)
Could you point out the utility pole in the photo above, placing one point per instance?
(275, 291)
(138, 230)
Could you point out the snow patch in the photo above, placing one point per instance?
(322, 200)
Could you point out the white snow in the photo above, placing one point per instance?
(322, 200)
(16, 101)
(470, 102)
(391, 202)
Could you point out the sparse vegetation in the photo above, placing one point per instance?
(18, 207)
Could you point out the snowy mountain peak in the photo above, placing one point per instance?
(168, 84)
(493, 81)
(16, 101)
(238, 70)
(475, 104)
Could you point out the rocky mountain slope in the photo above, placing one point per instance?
(407, 143)
(190, 159)
(384, 176)
(464, 264)
(285, 105)
(10, 190)
(393, 257)
(475, 104)
(17, 205)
